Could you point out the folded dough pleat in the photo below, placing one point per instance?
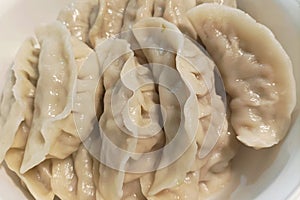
(203, 108)
(109, 20)
(256, 71)
(77, 17)
(231, 3)
(135, 11)
(63, 115)
(19, 92)
(37, 180)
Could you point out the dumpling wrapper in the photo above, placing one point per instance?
(160, 6)
(72, 178)
(135, 11)
(175, 11)
(183, 56)
(231, 3)
(133, 191)
(18, 95)
(109, 20)
(151, 43)
(256, 71)
(188, 189)
(37, 180)
(77, 17)
(59, 96)
(116, 59)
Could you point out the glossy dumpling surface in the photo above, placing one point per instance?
(77, 17)
(231, 3)
(256, 71)
(16, 103)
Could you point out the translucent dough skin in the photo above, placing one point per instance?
(57, 75)
(72, 178)
(61, 78)
(37, 179)
(135, 11)
(17, 100)
(109, 20)
(76, 17)
(175, 11)
(111, 181)
(170, 182)
(256, 71)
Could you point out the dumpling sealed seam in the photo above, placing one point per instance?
(109, 20)
(77, 17)
(25, 80)
(116, 59)
(18, 96)
(53, 132)
(195, 72)
(256, 71)
(25, 75)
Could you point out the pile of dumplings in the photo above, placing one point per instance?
(62, 82)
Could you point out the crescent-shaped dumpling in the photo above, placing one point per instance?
(256, 71)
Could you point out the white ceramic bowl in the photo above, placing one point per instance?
(270, 174)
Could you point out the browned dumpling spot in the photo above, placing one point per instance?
(256, 71)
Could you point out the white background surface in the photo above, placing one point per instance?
(271, 174)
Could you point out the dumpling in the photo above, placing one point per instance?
(151, 42)
(72, 178)
(133, 191)
(77, 17)
(109, 20)
(135, 11)
(256, 71)
(18, 95)
(64, 179)
(231, 3)
(116, 134)
(188, 189)
(53, 132)
(37, 180)
(83, 163)
(25, 75)
(160, 6)
(57, 76)
(215, 185)
(202, 108)
(175, 11)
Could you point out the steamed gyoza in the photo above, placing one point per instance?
(53, 132)
(25, 75)
(114, 122)
(78, 17)
(18, 95)
(175, 13)
(135, 11)
(41, 110)
(109, 20)
(72, 178)
(256, 71)
(231, 3)
(195, 71)
(25, 80)
(37, 180)
(142, 115)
